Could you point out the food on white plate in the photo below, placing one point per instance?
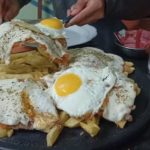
(16, 57)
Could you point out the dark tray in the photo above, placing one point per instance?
(109, 137)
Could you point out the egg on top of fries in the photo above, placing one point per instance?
(94, 82)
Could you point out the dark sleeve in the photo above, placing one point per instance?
(23, 2)
(61, 6)
(127, 9)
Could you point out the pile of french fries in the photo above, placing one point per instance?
(27, 65)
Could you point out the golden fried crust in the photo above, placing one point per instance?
(128, 68)
(27, 107)
(62, 41)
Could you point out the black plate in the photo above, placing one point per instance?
(76, 139)
(110, 136)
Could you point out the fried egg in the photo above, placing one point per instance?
(121, 99)
(80, 90)
(51, 27)
(14, 111)
(93, 57)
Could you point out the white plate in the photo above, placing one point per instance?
(80, 34)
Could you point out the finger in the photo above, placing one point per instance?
(1, 10)
(83, 15)
(10, 15)
(87, 20)
(5, 8)
(91, 10)
(12, 10)
(68, 12)
(78, 7)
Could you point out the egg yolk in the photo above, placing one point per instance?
(52, 23)
(67, 84)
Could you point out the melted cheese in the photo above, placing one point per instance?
(12, 108)
(121, 99)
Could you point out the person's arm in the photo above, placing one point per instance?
(23, 2)
(127, 9)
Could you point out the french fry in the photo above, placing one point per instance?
(63, 117)
(21, 55)
(91, 128)
(128, 63)
(17, 76)
(121, 124)
(53, 135)
(131, 70)
(5, 132)
(10, 133)
(37, 74)
(137, 89)
(72, 123)
(126, 73)
(22, 68)
(128, 69)
(94, 120)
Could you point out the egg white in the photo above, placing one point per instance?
(54, 33)
(93, 57)
(91, 94)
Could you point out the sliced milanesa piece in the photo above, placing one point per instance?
(120, 101)
(25, 105)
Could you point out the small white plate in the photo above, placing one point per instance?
(77, 35)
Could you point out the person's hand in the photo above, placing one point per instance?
(8, 9)
(86, 11)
